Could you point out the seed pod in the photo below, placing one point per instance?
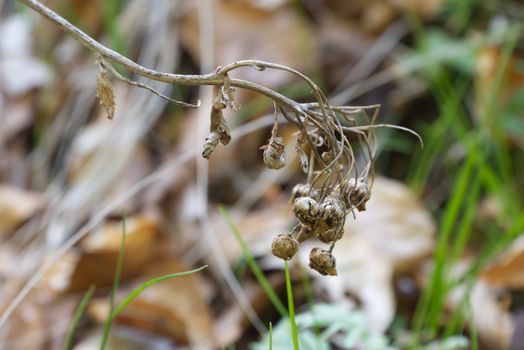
(284, 246)
(104, 91)
(210, 144)
(306, 210)
(330, 220)
(303, 190)
(330, 236)
(359, 193)
(323, 262)
(273, 156)
(333, 211)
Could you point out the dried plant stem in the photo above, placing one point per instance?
(107, 54)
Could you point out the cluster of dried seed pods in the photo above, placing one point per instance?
(335, 147)
(322, 216)
(334, 186)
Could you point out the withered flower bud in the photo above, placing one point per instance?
(303, 190)
(329, 236)
(273, 156)
(210, 144)
(359, 193)
(219, 124)
(333, 212)
(323, 262)
(284, 246)
(306, 210)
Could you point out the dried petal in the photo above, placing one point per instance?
(104, 91)
(284, 246)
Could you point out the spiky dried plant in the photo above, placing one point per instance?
(337, 183)
(335, 144)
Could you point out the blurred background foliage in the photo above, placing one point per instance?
(437, 260)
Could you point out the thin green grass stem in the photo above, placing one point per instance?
(136, 292)
(80, 310)
(270, 336)
(259, 275)
(116, 282)
(291, 308)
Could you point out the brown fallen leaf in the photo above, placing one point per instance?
(16, 206)
(17, 115)
(232, 323)
(492, 318)
(396, 224)
(275, 35)
(122, 339)
(26, 328)
(494, 98)
(392, 236)
(364, 273)
(94, 262)
(174, 308)
(507, 270)
(489, 61)
(376, 15)
(257, 229)
(493, 321)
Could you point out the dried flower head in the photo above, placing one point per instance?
(337, 177)
(284, 246)
(322, 261)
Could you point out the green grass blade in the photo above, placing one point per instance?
(433, 296)
(472, 328)
(270, 336)
(80, 310)
(136, 292)
(116, 283)
(275, 300)
(291, 307)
